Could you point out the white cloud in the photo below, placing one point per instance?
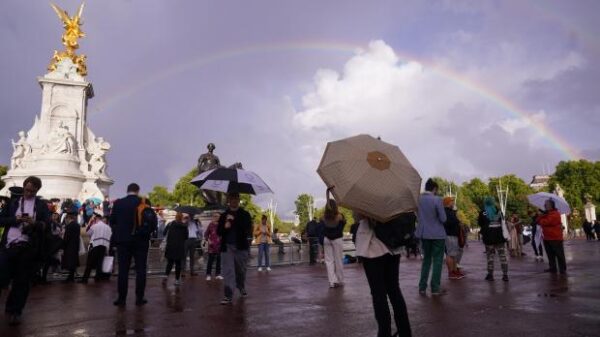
(442, 127)
(512, 125)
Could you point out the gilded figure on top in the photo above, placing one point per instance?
(70, 39)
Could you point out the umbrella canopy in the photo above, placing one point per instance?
(96, 201)
(538, 200)
(191, 210)
(231, 180)
(370, 176)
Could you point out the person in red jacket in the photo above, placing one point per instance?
(551, 224)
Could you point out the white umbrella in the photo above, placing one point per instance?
(230, 180)
(540, 198)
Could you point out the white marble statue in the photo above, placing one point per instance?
(65, 70)
(98, 150)
(559, 191)
(21, 149)
(61, 141)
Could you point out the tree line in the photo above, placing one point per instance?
(580, 181)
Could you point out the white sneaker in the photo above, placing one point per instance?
(208, 278)
(177, 283)
(219, 277)
(268, 268)
(259, 268)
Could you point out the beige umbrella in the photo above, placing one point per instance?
(370, 176)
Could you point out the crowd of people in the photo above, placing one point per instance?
(36, 236)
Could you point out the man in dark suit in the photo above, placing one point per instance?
(24, 221)
(129, 244)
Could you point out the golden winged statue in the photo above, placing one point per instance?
(70, 40)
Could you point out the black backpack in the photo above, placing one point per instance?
(397, 232)
(147, 220)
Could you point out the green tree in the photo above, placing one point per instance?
(476, 190)
(302, 202)
(444, 186)
(579, 180)
(255, 211)
(160, 196)
(185, 193)
(518, 191)
(3, 170)
(347, 213)
(468, 211)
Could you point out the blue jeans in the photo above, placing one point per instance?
(263, 251)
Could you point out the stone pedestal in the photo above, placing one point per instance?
(60, 148)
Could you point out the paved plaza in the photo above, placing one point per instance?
(295, 301)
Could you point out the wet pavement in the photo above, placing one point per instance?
(296, 301)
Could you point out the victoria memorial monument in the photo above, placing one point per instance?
(60, 148)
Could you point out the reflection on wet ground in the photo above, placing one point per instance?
(296, 301)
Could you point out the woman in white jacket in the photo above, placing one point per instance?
(382, 270)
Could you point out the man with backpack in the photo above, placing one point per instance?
(132, 220)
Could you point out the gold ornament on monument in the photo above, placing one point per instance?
(70, 40)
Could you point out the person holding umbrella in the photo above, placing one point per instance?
(235, 230)
(382, 266)
(551, 224)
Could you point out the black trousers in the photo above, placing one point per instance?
(170, 264)
(17, 265)
(213, 258)
(537, 248)
(556, 253)
(94, 261)
(382, 275)
(313, 249)
(138, 250)
(280, 244)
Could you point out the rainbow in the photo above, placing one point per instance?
(504, 103)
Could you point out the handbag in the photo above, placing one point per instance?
(505, 232)
(107, 264)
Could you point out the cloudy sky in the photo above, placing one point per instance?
(465, 87)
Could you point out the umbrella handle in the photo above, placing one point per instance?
(327, 194)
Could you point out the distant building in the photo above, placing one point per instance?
(540, 182)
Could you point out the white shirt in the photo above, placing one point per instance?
(15, 233)
(193, 230)
(367, 244)
(100, 234)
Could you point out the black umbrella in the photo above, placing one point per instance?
(191, 210)
(231, 180)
